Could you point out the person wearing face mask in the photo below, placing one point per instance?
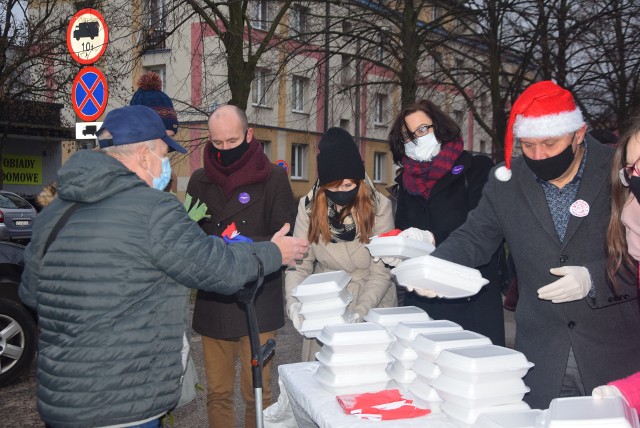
(436, 187)
(338, 217)
(107, 271)
(623, 239)
(552, 206)
(240, 186)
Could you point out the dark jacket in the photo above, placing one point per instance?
(603, 331)
(451, 199)
(110, 293)
(270, 206)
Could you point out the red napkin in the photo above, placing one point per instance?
(394, 232)
(382, 405)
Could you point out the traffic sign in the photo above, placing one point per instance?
(87, 130)
(89, 94)
(87, 36)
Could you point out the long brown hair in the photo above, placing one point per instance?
(362, 208)
(619, 260)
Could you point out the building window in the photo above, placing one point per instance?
(458, 116)
(260, 15)
(483, 146)
(346, 72)
(266, 147)
(379, 167)
(160, 70)
(259, 89)
(379, 109)
(345, 124)
(437, 59)
(155, 35)
(298, 21)
(380, 46)
(297, 94)
(298, 161)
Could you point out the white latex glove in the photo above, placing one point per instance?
(294, 315)
(574, 285)
(418, 235)
(423, 292)
(391, 261)
(351, 316)
(606, 391)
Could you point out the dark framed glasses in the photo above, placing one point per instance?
(421, 131)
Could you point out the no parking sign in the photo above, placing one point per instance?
(89, 94)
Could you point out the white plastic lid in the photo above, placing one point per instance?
(475, 391)
(610, 412)
(406, 332)
(510, 419)
(443, 283)
(486, 362)
(428, 372)
(429, 345)
(328, 358)
(354, 334)
(325, 283)
(440, 264)
(355, 377)
(398, 373)
(398, 246)
(313, 327)
(469, 415)
(389, 317)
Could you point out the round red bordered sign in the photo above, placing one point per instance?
(87, 36)
(89, 94)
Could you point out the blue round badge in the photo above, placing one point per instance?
(244, 198)
(457, 169)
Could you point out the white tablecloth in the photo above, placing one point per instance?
(314, 406)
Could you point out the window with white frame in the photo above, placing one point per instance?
(298, 161)
(379, 109)
(266, 147)
(260, 15)
(298, 85)
(160, 70)
(259, 88)
(298, 21)
(379, 167)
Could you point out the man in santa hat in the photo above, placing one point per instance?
(552, 207)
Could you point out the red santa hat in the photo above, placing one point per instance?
(543, 110)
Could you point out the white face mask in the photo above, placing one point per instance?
(423, 149)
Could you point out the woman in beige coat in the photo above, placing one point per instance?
(340, 214)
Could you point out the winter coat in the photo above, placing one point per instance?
(270, 206)
(603, 331)
(451, 199)
(370, 285)
(110, 293)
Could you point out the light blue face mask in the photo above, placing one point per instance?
(165, 176)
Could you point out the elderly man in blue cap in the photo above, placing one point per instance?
(105, 271)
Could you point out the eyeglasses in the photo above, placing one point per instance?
(420, 132)
(626, 172)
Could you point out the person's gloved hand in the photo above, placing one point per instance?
(574, 285)
(351, 316)
(606, 391)
(418, 235)
(390, 261)
(423, 292)
(294, 315)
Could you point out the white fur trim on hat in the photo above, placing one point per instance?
(502, 173)
(551, 125)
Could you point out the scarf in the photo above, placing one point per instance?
(340, 231)
(418, 178)
(253, 167)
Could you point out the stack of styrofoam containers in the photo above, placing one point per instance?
(353, 358)
(428, 347)
(514, 419)
(402, 349)
(480, 379)
(390, 317)
(324, 299)
(589, 412)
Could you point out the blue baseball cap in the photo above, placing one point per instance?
(135, 124)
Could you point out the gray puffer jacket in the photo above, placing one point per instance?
(109, 293)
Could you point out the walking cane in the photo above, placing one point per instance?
(259, 353)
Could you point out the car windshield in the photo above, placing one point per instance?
(8, 200)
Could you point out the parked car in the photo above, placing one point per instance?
(18, 323)
(16, 217)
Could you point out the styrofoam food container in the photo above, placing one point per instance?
(467, 417)
(444, 284)
(390, 317)
(313, 327)
(469, 394)
(358, 337)
(511, 419)
(429, 345)
(483, 363)
(441, 264)
(321, 286)
(405, 356)
(325, 308)
(345, 363)
(425, 393)
(406, 332)
(401, 375)
(570, 412)
(372, 380)
(398, 246)
(426, 371)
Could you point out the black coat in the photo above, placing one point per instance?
(451, 199)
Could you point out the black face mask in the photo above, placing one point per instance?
(634, 186)
(342, 198)
(553, 167)
(227, 157)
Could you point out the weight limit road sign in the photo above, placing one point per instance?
(89, 94)
(87, 36)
